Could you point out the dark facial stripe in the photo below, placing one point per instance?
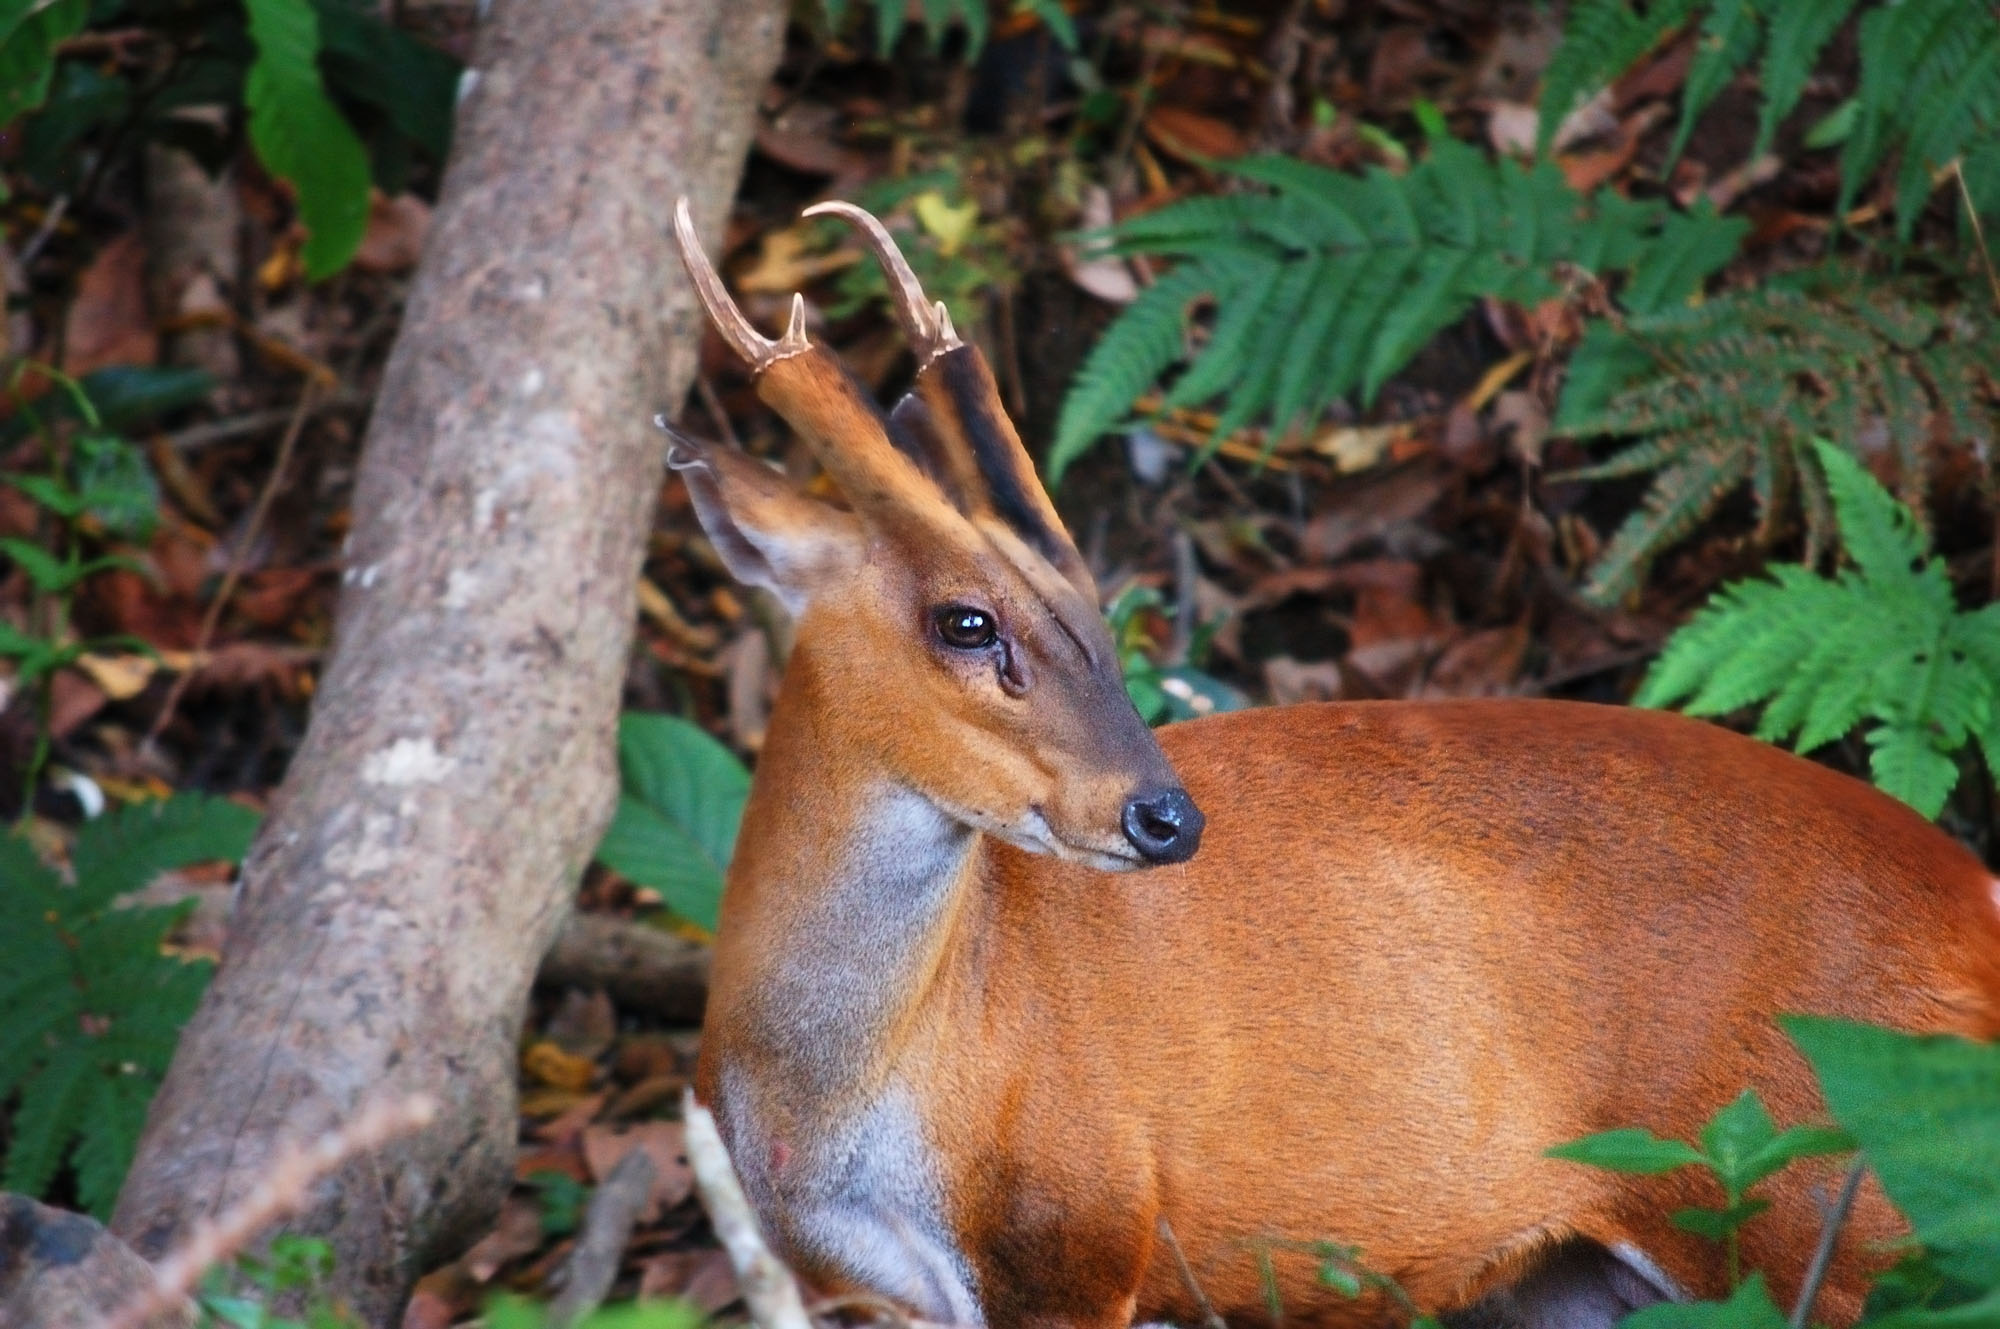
(994, 450)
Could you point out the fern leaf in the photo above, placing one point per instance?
(300, 137)
(1368, 267)
(1135, 350)
(1799, 31)
(1601, 39)
(1682, 494)
(51, 1102)
(1879, 532)
(109, 1139)
(124, 850)
(1905, 763)
(1692, 247)
(1729, 38)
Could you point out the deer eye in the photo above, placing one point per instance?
(964, 628)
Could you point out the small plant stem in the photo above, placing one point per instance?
(1978, 232)
(1822, 1256)
(1208, 1316)
(281, 1192)
(237, 558)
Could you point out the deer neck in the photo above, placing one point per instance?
(843, 900)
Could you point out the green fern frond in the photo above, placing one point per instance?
(1730, 35)
(1601, 40)
(1882, 644)
(1736, 390)
(90, 1006)
(1799, 31)
(124, 850)
(1329, 283)
(1930, 87)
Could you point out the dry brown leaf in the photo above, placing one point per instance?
(108, 321)
(517, 1232)
(1192, 136)
(119, 677)
(663, 1141)
(550, 1065)
(566, 1125)
(703, 1277)
(394, 240)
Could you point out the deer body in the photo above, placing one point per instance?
(967, 1061)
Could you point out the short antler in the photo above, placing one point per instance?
(735, 329)
(926, 324)
(954, 411)
(807, 386)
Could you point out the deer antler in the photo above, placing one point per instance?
(729, 321)
(926, 324)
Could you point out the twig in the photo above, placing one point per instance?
(209, 433)
(769, 1289)
(1208, 1315)
(1978, 232)
(238, 557)
(1822, 1256)
(713, 405)
(44, 233)
(640, 966)
(592, 1266)
(281, 1193)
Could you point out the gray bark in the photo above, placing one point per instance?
(459, 767)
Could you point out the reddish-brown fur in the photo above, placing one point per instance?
(1420, 943)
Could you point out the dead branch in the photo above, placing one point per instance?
(592, 1267)
(769, 1288)
(282, 1192)
(638, 966)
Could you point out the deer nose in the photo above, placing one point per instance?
(1164, 825)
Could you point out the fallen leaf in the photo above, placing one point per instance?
(1511, 128)
(703, 1277)
(664, 1141)
(394, 239)
(119, 677)
(108, 320)
(550, 1065)
(584, 1024)
(1192, 136)
(1525, 421)
(517, 1232)
(566, 1125)
(950, 226)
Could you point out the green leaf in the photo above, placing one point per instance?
(51, 1102)
(681, 801)
(122, 851)
(1926, 1112)
(116, 485)
(1750, 1307)
(45, 570)
(127, 396)
(30, 31)
(411, 82)
(301, 138)
(1718, 1224)
(1905, 762)
(1628, 1149)
(109, 1138)
(1982, 1313)
(1734, 1136)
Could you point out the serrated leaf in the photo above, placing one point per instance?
(1749, 1307)
(301, 138)
(109, 1138)
(124, 850)
(51, 1102)
(1906, 763)
(1628, 1149)
(678, 810)
(1717, 1224)
(1926, 1112)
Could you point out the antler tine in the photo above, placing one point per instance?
(926, 325)
(729, 320)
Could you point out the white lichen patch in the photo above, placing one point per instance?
(460, 588)
(407, 761)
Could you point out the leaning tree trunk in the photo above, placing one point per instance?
(459, 768)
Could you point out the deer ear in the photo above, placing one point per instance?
(766, 533)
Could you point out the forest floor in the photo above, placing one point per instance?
(1412, 549)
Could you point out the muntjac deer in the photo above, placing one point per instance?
(1008, 987)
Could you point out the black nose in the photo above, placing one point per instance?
(1164, 826)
